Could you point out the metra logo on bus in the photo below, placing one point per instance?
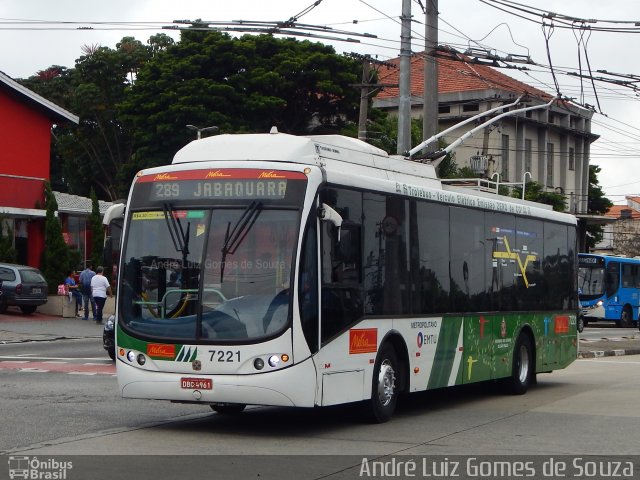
(363, 340)
(164, 176)
(271, 174)
(160, 350)
(216, 174)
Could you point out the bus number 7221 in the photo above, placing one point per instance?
(225, 355)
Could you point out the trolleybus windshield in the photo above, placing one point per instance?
(216, 272)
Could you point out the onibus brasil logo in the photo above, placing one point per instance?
(40, 469)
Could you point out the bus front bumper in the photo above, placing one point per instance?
(294, 386)
(595, 312)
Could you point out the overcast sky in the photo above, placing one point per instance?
(27, 48)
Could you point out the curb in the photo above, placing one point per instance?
(609, 353)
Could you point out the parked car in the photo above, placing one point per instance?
(109, 336)
(22, 287)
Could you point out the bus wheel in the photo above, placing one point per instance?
(625, 318)
(521, 367)
(384, 392)
(228, 408)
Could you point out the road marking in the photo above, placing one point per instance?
(60, 367)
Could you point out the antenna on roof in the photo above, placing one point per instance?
(274, 130)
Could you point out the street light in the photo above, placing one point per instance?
(199, 130)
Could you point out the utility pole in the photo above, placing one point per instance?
(365, 89)
(404, 102)
(430, 106)
(364, 100)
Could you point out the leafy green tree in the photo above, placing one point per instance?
(536, 192)
(597, 204)
(91, 153)
(55, 257)
(97, 231)
(246, 84)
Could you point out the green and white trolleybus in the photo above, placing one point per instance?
(270, 269)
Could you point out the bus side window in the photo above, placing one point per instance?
(347, 257)
(612, 279)
(341, 280)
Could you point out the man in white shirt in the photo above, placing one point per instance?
(100, 288)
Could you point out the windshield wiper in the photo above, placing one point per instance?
(179, 237)
(234, 237)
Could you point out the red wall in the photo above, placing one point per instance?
(26, 139)
(25, 142)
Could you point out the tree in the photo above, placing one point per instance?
(147, 94)
(535, 192)
(597, 204)
(246, 84)
(55, 261)
(91, 153)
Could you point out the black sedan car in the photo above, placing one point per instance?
(22, 287)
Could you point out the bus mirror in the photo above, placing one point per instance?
(328, 214)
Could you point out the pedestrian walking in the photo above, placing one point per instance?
(100, 288)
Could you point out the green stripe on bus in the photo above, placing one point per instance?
(445, 352)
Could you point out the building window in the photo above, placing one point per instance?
(572, 159)
(505, 158)
(471, 107)
(550, 164)
(444, 108)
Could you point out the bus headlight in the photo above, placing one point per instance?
(131, 356)
(258, 363)
(599, 304)
(274, 360)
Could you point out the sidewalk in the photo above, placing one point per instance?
(15, 327)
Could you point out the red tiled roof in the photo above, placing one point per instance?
(616, 212)
(453, 76)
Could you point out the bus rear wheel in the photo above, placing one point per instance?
(384, 392)
(521, 367)
(228, 408)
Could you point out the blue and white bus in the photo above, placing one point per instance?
(609, 288)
